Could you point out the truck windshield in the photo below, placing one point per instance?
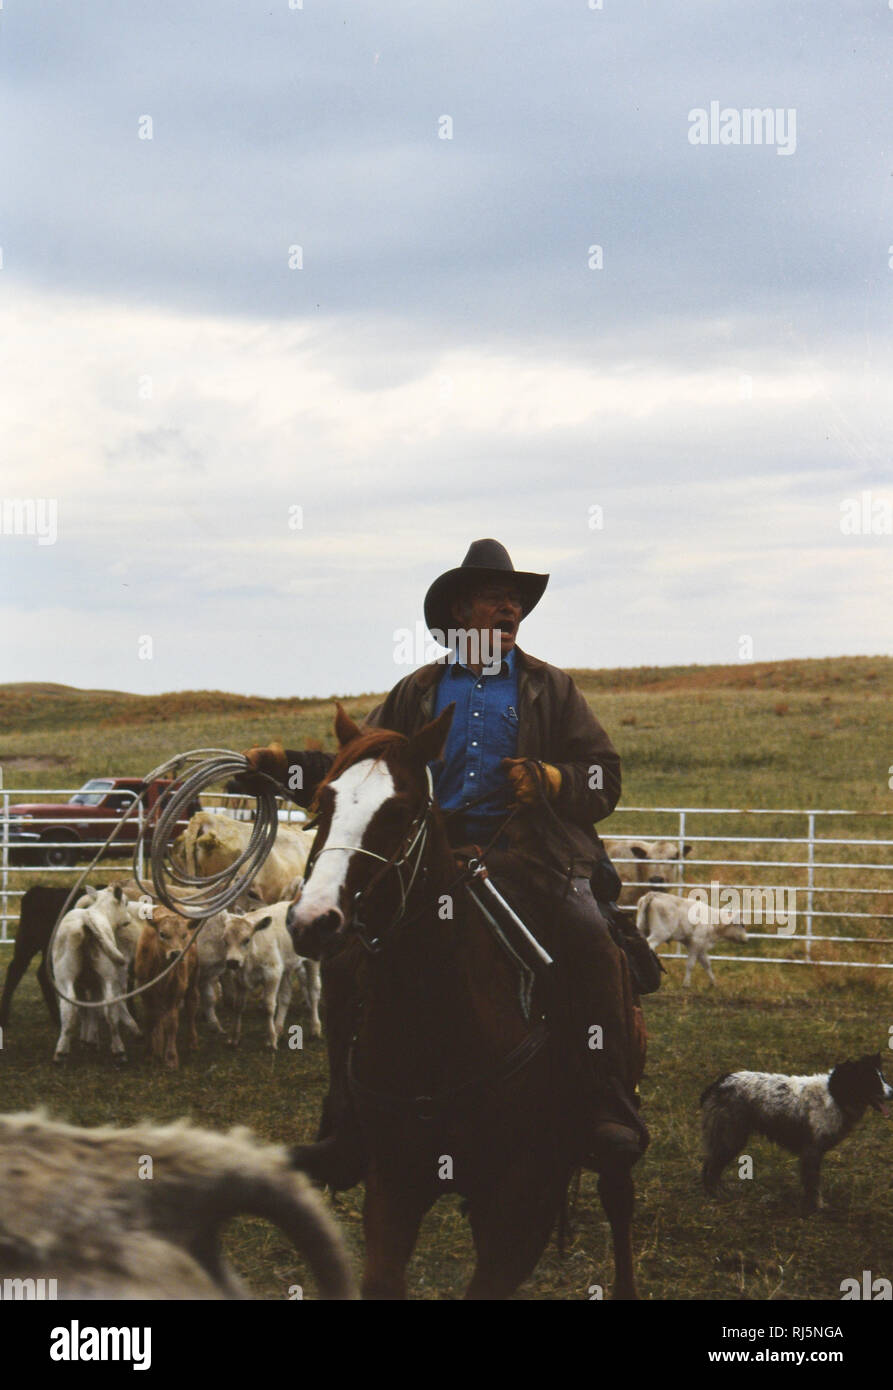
(92, 792)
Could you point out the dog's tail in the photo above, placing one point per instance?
(714, 1086)
(287, 1200)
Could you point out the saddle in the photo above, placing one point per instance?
(644, 965)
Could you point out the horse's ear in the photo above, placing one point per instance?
(345, 729)
(428, 743)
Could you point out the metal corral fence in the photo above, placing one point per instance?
(834, 867)
(836, 864)
(32, 852)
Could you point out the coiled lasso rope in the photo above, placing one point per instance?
(206, 896)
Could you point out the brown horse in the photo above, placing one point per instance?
(458, 1089)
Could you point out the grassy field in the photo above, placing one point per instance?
(794, 734)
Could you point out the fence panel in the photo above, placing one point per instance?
(825, 882)
(24, 861)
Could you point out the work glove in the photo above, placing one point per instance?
(530, 779)
(271, 760)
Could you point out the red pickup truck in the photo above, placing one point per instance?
(54, 832)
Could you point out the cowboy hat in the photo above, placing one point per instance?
(485, 561)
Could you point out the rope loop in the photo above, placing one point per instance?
(202, 897)
(206, 896)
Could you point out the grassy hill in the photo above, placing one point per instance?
(789, 733)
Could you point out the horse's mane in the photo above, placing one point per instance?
(372, 743)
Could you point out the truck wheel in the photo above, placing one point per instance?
(61, 853)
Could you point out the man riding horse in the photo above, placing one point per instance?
(526, 770)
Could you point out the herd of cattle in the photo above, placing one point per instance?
(116, 939)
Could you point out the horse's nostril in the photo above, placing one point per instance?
(311, 937)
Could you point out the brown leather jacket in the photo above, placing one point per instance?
(555, 725)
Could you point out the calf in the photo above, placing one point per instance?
(698, 926)
(656, 866)
(211, 949)
(164, 936)
(88, 964)
(127, 935)
(38, 915)
(75, 1208)
(213, 961)
(259, 951)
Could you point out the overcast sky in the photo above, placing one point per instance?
(518, 293)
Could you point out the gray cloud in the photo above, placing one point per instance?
(445, 364)
(570, 128)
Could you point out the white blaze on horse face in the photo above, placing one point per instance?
(359, 792)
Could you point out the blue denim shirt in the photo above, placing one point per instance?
(483, 732)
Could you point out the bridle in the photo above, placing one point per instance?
(414, 843)
(407, 856)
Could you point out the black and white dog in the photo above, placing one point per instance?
(807, 1115)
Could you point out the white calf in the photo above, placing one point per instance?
(88, 963)
(698, 926)
(259, 951)
(127, 934)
